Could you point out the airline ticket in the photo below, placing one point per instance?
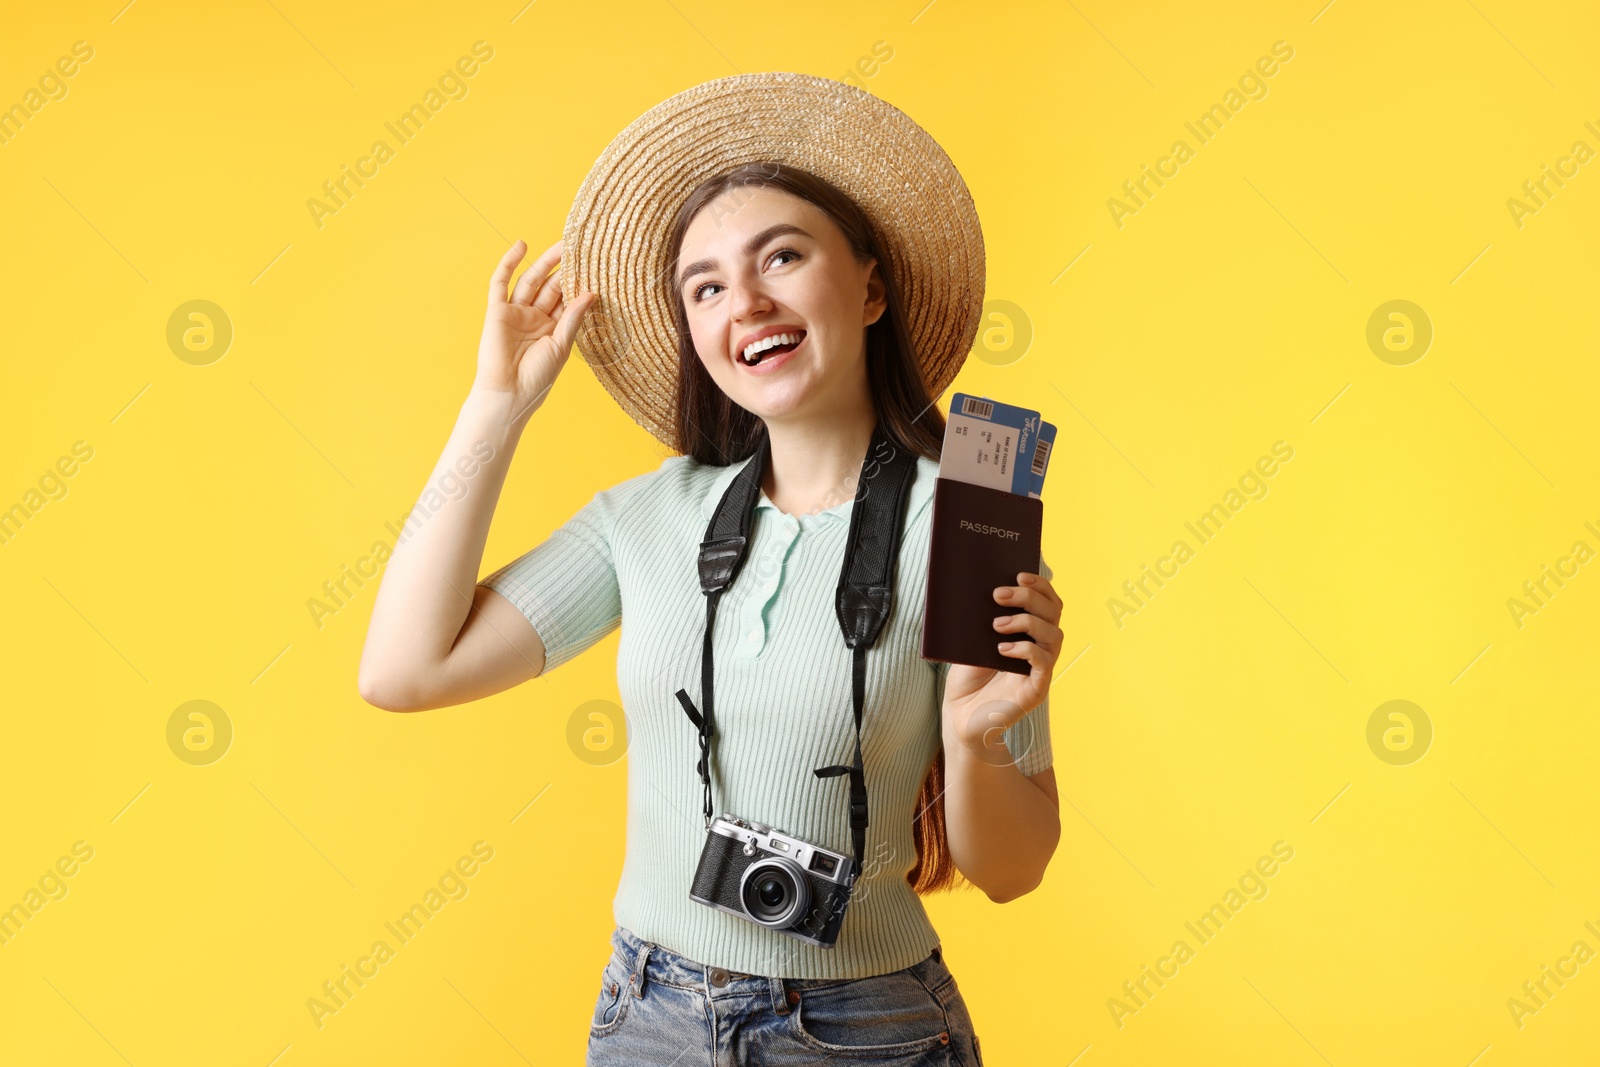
(995, 445)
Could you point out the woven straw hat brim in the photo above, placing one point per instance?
(615, 237)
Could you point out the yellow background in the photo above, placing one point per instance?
(1229, 713)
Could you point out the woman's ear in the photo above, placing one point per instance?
(877, 298)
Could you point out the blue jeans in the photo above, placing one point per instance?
(657, 1007)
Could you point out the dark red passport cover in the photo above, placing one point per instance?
(981, 538)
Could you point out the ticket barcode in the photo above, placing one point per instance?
(1041, 457)
(971, 405)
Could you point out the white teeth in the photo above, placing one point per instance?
(757, 347)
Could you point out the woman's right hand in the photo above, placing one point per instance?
(527, 339)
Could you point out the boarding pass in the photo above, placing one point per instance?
(996, 445)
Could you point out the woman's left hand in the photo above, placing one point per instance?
(980, 702)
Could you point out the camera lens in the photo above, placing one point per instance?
(768, 894)
(775, 892)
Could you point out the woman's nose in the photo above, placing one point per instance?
(748, 298)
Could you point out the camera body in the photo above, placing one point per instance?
(766, 876)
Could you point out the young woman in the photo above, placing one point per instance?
(957, 758)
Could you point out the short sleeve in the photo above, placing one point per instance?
(567, 585)
(1029, 740)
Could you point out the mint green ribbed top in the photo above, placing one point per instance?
(783, 706)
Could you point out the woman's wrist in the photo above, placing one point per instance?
(494, 414)
(984, 744)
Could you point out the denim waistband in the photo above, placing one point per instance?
(647, 962)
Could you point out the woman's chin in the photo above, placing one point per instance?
(783, 404)
(776, 398)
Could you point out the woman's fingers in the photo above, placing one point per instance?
(1040, 630)
(1041, 611)
(567, 325)
(1039, 584)
(535, 276)
(502, 272)
(1040, 658)
(1039, 597)
(550, 295)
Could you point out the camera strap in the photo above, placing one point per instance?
(862, 601)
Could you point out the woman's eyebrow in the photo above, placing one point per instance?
(700, 266)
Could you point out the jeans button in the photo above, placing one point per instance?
(718, 976)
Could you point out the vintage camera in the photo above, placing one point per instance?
(766, 876)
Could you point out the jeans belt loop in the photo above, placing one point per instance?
(780, 996)
(638, 976)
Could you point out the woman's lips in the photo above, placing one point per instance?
(772, 362)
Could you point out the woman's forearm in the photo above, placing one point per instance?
(427, 586)
(1001, 827)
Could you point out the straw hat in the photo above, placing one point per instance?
(614, 241)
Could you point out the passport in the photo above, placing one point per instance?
(981, 538)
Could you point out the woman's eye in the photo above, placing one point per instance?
(699, 290)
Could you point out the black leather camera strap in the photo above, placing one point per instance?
(862, 602)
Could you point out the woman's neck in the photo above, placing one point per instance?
(816, 464)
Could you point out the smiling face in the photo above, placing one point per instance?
(759, 263)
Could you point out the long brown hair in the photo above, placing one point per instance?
(714, 430)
